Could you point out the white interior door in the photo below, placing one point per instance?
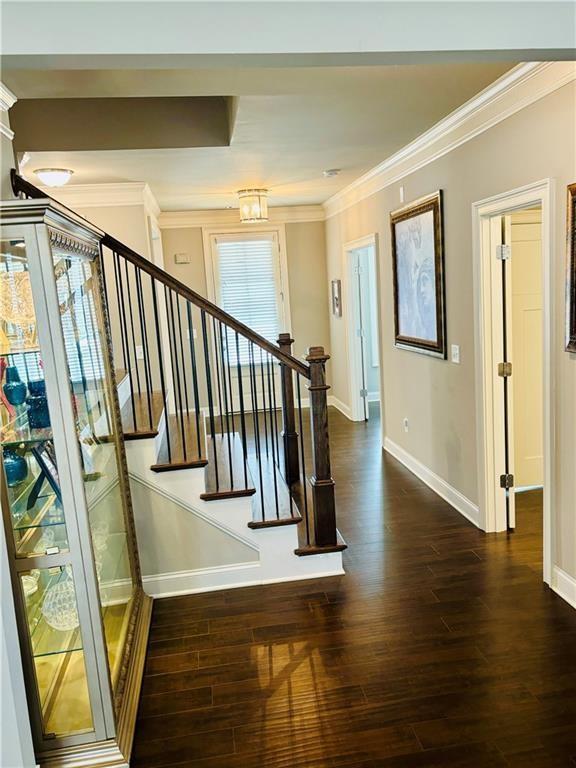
(527, 333)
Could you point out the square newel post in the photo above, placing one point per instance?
(289, 434)
(321, 480)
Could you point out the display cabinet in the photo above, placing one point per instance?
(83, 617)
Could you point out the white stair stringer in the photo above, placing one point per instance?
(176, 528)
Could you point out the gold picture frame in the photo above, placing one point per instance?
(418, 279)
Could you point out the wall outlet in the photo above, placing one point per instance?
(406, 425)
(402, 194)
(455, 354)
(139, 352)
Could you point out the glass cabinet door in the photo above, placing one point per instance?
(33, 512)
(104, 476)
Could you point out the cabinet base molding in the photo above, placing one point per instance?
(113, 753)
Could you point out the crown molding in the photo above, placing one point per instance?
(515, 90)
(102, 195)
(7, 98)
(294, 214)
(5, 130)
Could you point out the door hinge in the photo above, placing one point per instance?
(360, 333)
(503, 252)
(363, 393)
(504, 370)
(506, 481)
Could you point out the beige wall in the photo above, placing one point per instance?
(307, 276)
(437, 396)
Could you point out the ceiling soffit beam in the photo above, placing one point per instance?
(68, 125)
(61, 29)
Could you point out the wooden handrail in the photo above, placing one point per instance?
(202, 303)
(20, 185)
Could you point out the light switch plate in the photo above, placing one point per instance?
(455, 353)
(182, 258)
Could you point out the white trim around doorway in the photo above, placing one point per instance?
(349, 304)
(540, 193)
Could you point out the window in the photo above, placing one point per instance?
(248, 284)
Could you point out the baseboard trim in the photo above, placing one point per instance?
(450, 494)
(221, 577)
(564, 585)
(340, 406)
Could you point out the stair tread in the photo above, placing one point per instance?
(220, 482)
(145, 426)
(287, 512)
(184, 453)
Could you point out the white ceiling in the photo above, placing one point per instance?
(290, 125)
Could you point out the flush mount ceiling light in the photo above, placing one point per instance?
(253, 205)
(54, 177)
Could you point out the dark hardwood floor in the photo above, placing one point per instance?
(439, 647)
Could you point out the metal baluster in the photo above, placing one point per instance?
(194, 377)
(124, 334)
(182, 356)
(210, 396)
(274, 461)
(254, 384)
(226, 408)
(230, 395)
(137, 367)
(215, 338)
(275, 411)
(176, 372)
(242, 416)
(264, 403)
(161, 364)
(304, 480)
(145, 349)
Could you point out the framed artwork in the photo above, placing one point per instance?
(336, 298)
(418, 264)
(571, 277)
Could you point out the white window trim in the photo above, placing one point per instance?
(279, 230)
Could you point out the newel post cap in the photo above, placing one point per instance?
(284, 340)
(317, 355)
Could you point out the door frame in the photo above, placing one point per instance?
(489, 423)
(350, 304)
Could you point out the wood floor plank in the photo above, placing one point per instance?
(439, 648)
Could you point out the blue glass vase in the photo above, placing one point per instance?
(15, 467)
(38, 415)
(14, 388)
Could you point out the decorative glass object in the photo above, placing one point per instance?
(59, 606)
(14, 387)
(15, 467)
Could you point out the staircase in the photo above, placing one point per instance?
(218, 422)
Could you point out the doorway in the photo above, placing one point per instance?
(514, 377)
(361, 299)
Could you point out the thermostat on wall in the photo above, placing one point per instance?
(182, 258)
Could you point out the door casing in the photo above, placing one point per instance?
(488, 322)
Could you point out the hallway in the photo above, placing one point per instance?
(440, 646)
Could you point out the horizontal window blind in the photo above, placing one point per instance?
(247, 277)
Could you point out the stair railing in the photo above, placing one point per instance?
(230, 399)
